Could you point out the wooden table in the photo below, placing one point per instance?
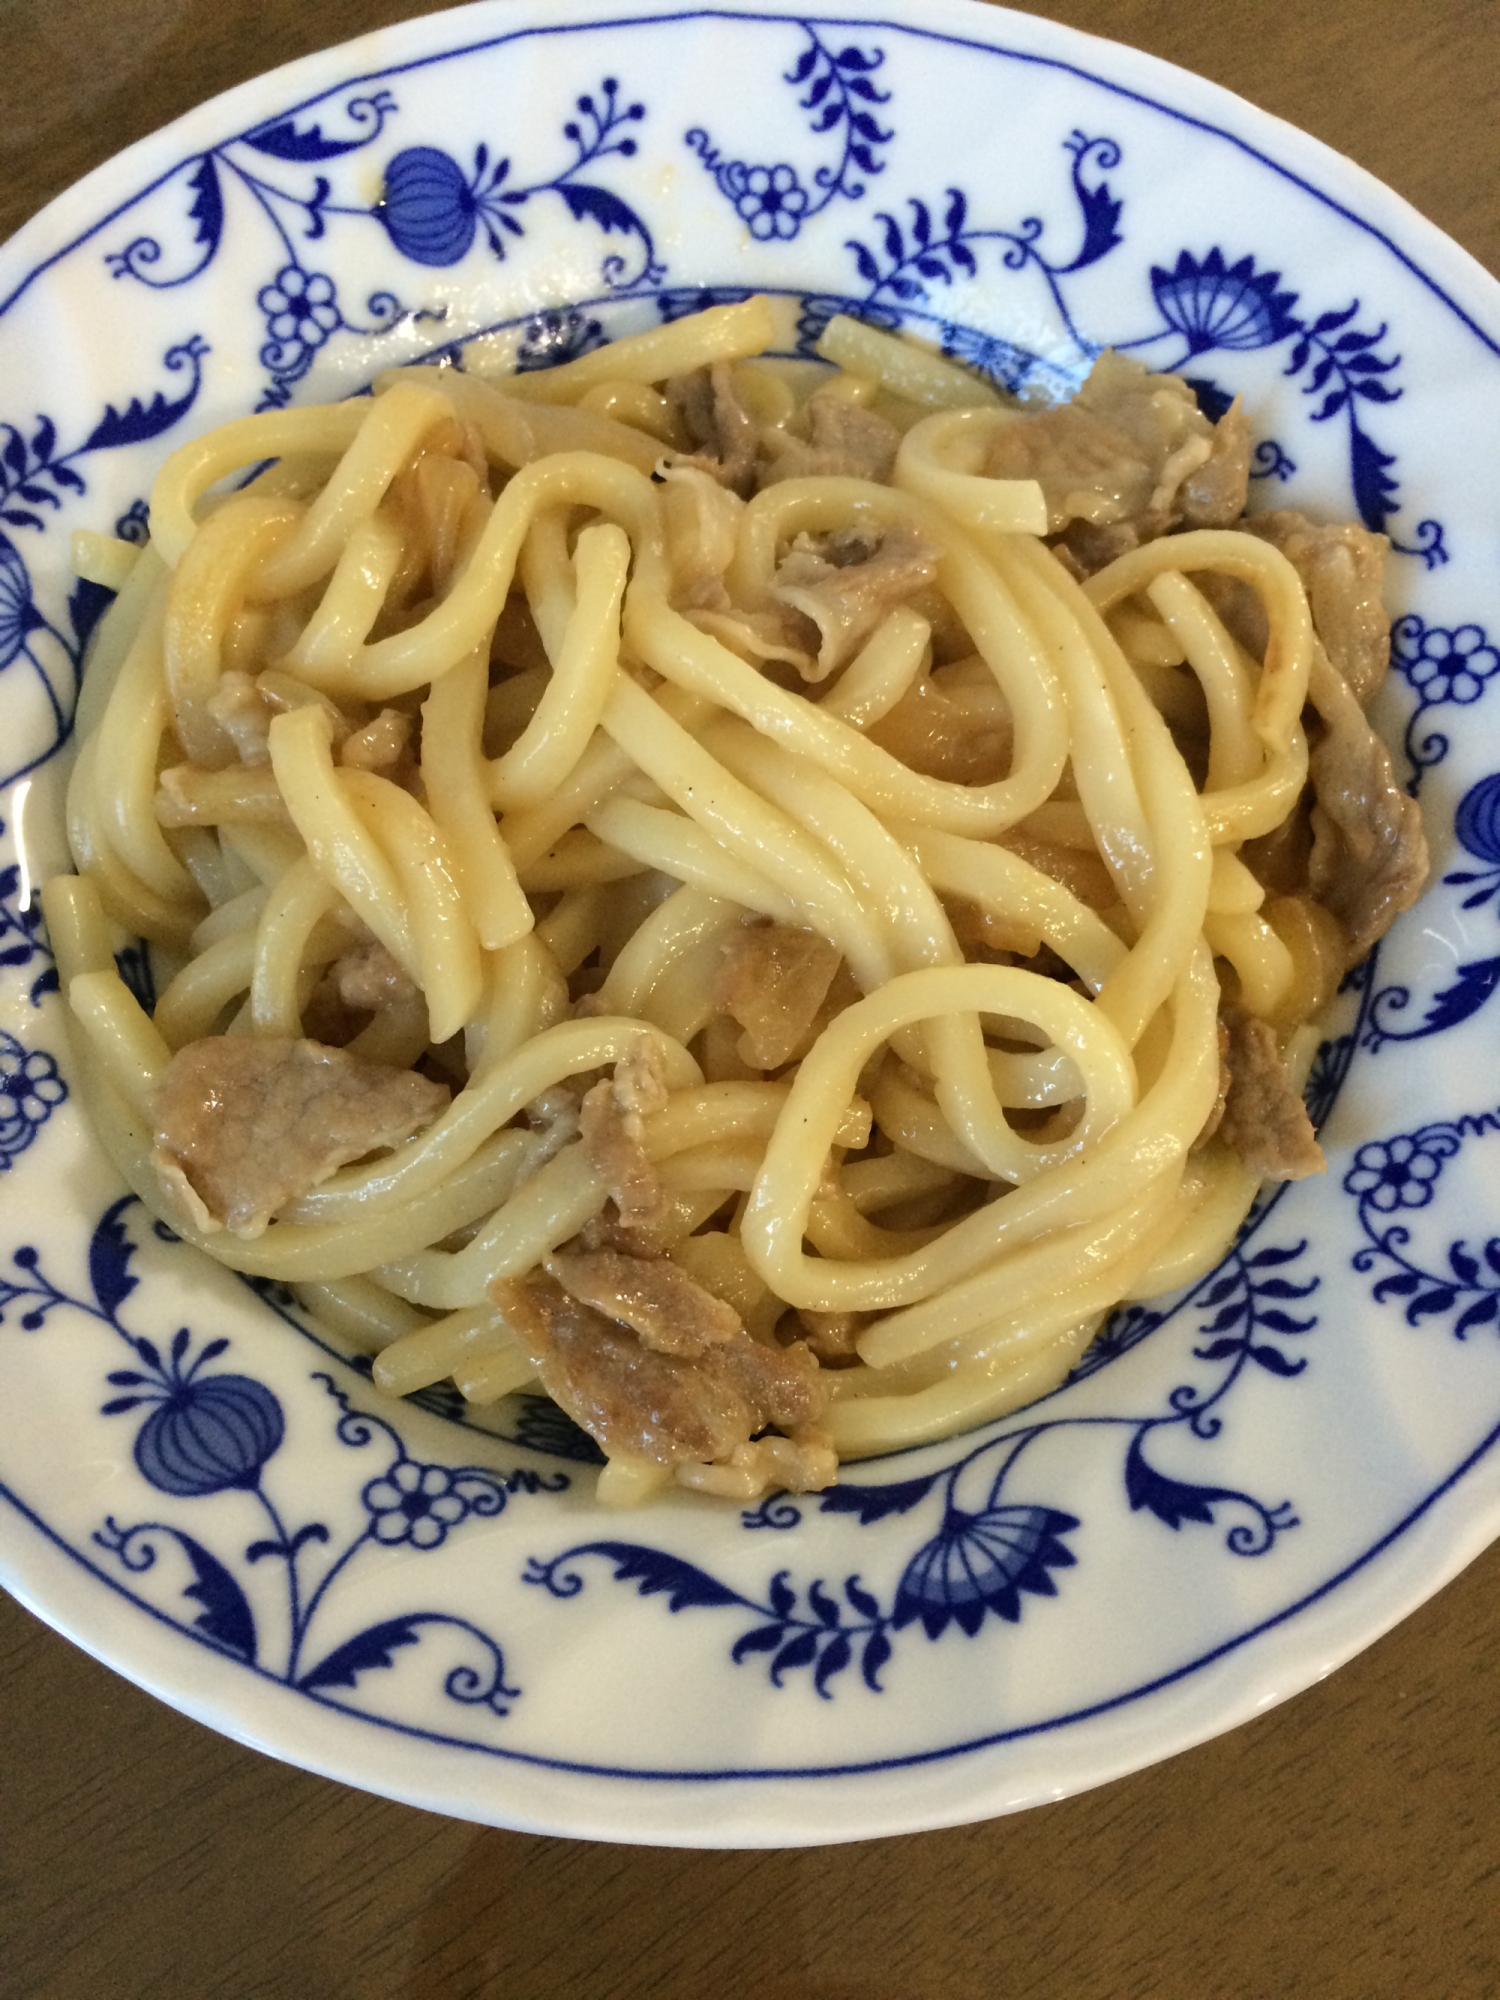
(1345, 1845)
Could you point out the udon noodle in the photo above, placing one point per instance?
(766, 897)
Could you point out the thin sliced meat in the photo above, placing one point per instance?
(369, 979)
(843, 441)
(1265, 1121)
(666, 1308)
(726, 434)
(244, 1125)
(660, 1407)
(1130, 457)
(1342, 567)
(1369, 853)
(851, 581)
(1214, 495)
(611, 1123)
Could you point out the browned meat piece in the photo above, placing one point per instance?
(668, 1310)
(244, 1126)
(1369, 854)
(611, 1124)
(1343, 569)
(1117, 464)
(703, 521)
(848, 584)
(774, 981)
(370, 979)
(843, 442)
(719, 424)
(661, 1407)
(1265, 1121)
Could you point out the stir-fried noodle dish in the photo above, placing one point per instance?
(761, 897)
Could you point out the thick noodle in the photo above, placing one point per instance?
(494, 739)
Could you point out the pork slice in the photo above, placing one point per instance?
(726, 434)
(850, 582)
(639, 1403)
(774, 980)
(1116, 457)
(369, 979)
(611, 1125)
(1369, 853)
(844, 441)
(1265, 1122)
(244, 1125)
(1342, 567)
(666, 1308)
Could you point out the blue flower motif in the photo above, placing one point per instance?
(772, 200)
(414, 1503)
(301, 309)
(19, 617)
(1444, 665)
(30, 1090)
(300, 305)
(982, 1562)
(1229, 306)
(210, 1436)
(1396, 1173)
(428, 208)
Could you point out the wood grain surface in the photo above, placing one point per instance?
(1344, 1846)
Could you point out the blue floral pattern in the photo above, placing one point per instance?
(339, 234)
(1397, 1177)
(840, 91)
(1476, 825)
(979, 1560)
(210, 1434)
(430, 209)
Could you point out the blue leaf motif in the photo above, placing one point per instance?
(1473, 986)
(875, 1503)
(833, 1659)
(763, 1639)
(795, 1653)
(283, 141)
(596, 204)
(139, 422)
(226, 1616)
(1172, 1501)
(877, 1651)
(1374, 489)
(653, 1570)
(374, 1647)
(110, 1253)
(207, 209)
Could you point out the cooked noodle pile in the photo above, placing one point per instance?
(765, 898)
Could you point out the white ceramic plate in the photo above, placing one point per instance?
(1263, 1477)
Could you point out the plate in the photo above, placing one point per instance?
(1239, 1488)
